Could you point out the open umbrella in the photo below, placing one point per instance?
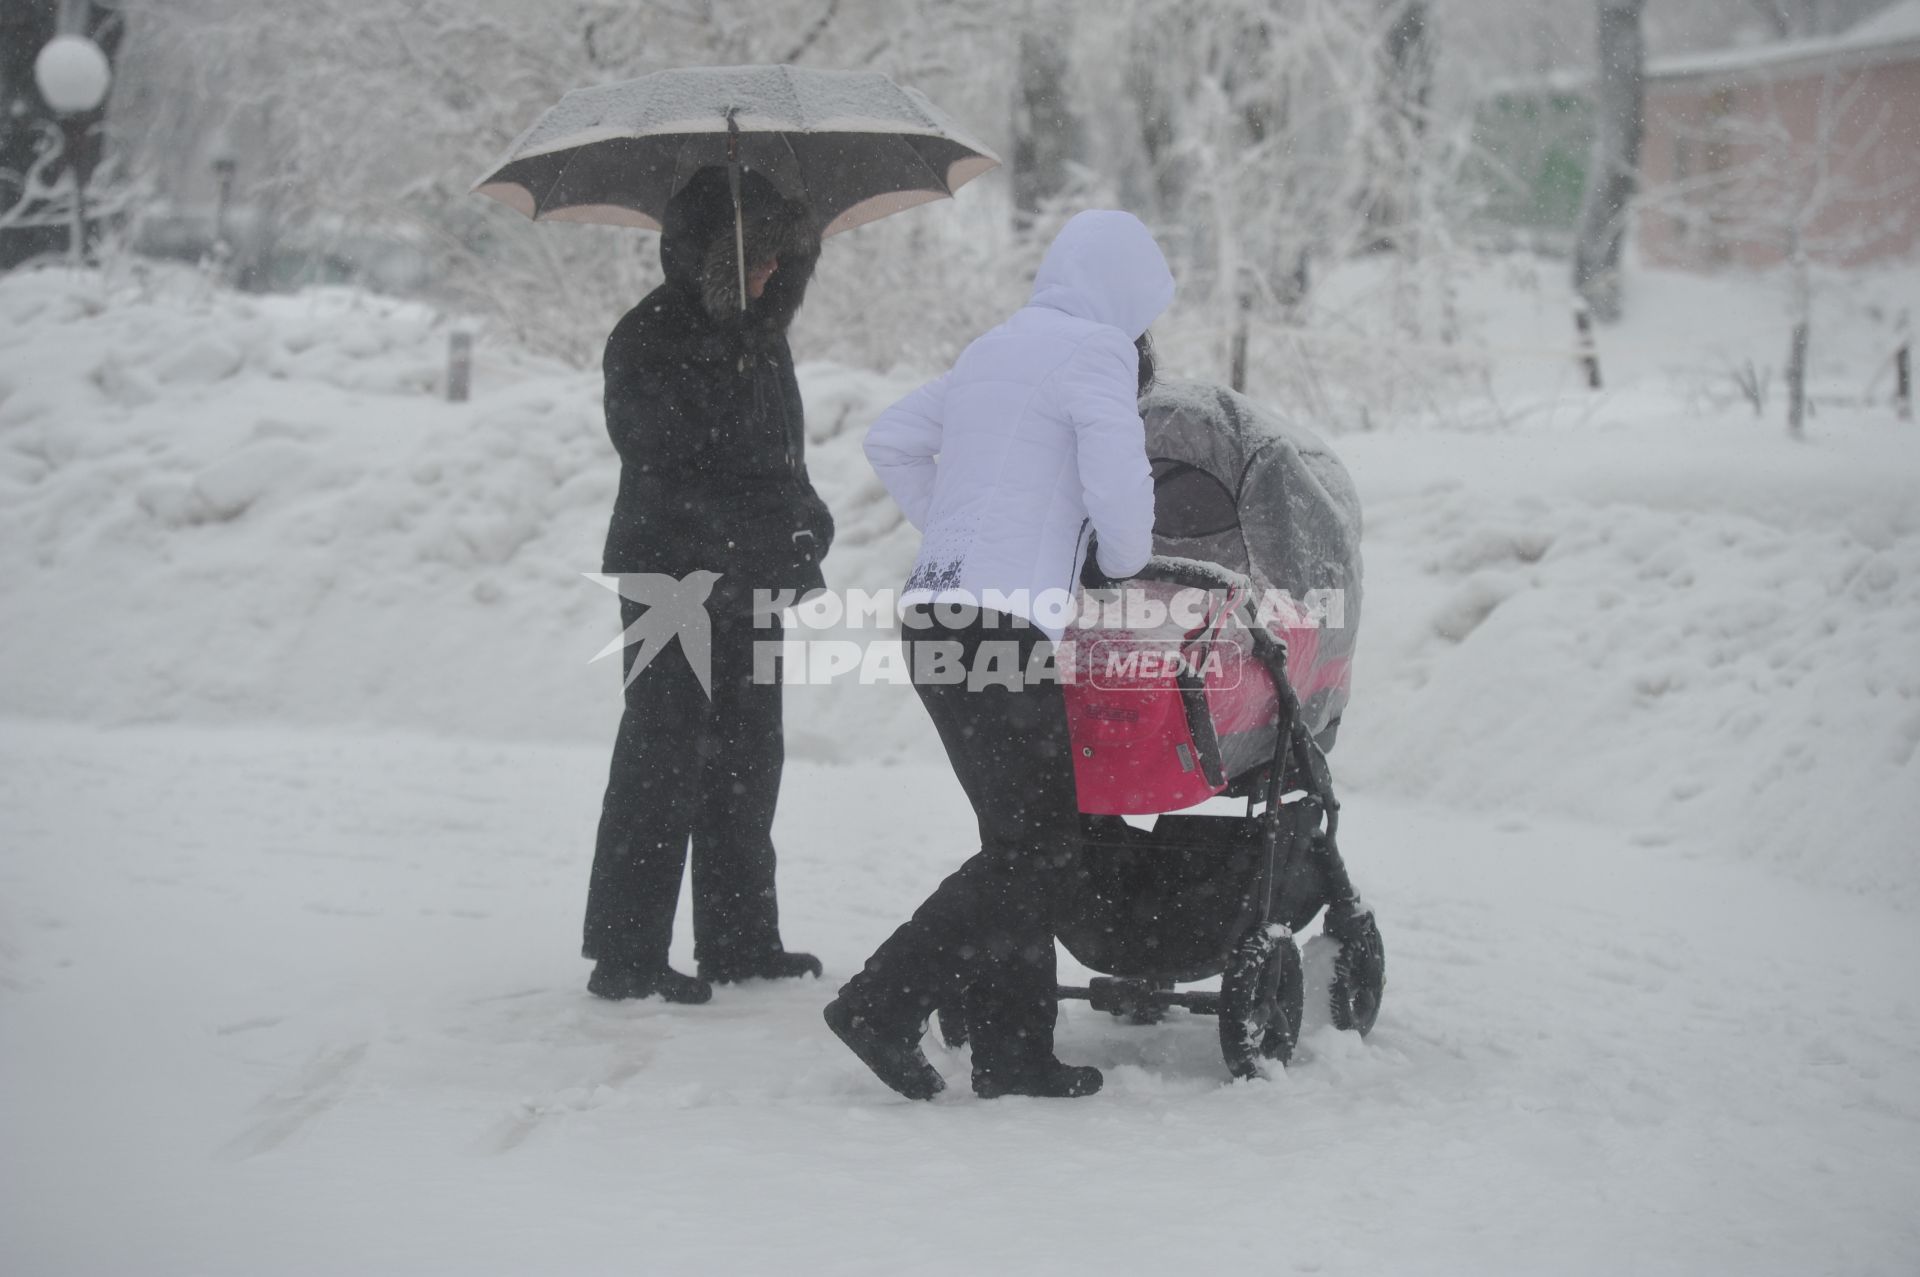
(852, 145)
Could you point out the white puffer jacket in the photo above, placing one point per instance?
(1033, 440)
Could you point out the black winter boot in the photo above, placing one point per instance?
(779, 964)
(617, 982)
(1051, 1080)
(896, 1061)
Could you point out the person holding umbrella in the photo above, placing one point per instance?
(743, 170)
(705, 413)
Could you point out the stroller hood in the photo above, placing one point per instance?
(1239, 485)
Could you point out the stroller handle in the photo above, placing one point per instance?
(1195, 573)
(1201, 575)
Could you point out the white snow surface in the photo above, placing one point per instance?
(300, 758)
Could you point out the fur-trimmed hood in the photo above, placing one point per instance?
(697, 247)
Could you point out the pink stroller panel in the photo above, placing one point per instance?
(1240, 488)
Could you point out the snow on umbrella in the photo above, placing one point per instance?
(853, 145)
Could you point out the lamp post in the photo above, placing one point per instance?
(73, 76)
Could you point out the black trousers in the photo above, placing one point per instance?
(688, 768)
(984, 938)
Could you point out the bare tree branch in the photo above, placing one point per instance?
(813, 33)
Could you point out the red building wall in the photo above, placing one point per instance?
(1736, 160)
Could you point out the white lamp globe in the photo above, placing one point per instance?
(72, 74)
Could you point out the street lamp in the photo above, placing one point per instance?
(73, 76)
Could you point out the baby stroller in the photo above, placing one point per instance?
(1221, 671)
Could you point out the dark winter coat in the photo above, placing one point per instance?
(703, 407)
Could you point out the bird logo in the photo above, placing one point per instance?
(675, 608)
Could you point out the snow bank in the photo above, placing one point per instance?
(1641, 606)
(230, 508)
(1702, 630)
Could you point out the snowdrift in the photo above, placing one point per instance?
(1698, 629)
(217, 508)
(243, 509)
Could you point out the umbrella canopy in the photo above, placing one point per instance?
(853, 145)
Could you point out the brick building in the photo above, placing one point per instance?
(1747, 148)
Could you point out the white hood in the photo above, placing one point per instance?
(1105, 267)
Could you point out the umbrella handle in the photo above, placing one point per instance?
(733, 184)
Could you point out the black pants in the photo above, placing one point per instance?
(688, 767)
(984, 938)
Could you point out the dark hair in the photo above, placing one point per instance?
(1144, 344)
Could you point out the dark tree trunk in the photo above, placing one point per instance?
(1614, 173)
(1154, 110)
(1406, 87)
(1046, 134)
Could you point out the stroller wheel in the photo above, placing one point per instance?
(1260, 1003)
(1359, 968)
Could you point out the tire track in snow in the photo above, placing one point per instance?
(530, 1114)
(321, 1085)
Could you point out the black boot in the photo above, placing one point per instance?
(1050, 1080)
(616, 982)
(896, 1061)
(952, 1020)
(778, 964)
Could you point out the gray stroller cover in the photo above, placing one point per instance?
(1239, 485)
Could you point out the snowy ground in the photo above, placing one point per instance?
(304, 1003)
(300, 758)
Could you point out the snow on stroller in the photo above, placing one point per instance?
(1236, 691)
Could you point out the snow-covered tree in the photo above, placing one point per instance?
(357, 114)
(1262, 137)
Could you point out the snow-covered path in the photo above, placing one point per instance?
(306, 1003)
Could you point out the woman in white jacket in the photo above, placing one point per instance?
(1030, 448)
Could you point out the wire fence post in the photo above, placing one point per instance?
(1589, 353)
(459, 366)
(1903, 370)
